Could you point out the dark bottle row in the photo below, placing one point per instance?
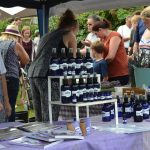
(136, 106)
(65, 64)
(108, 112)
(85, 90)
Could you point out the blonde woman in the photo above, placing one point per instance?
(134, 22)
(13, 54)
(144, 44)
(27, 42)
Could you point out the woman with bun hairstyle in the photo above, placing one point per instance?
(63, 37)
(115, 52)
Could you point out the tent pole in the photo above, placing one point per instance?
(44, 19)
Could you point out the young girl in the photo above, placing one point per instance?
(27, 42)
(100, 64)
(5, 108)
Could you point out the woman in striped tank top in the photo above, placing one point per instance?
(13, 54)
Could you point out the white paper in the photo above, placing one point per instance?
(1, 146)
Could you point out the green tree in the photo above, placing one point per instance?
(3, 25)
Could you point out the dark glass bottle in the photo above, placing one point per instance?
(141, 98)
(89, 88)
(96, 86)
(112, 110)
(54, 63)
(132, 101)
(106, 114)
(82, 88)
(148, 97)
(63, 61)
(71, 62)
(126, 107)
(88, 61)
(65, 91)
(79, 62)
(65, 71)
(74, 88)
(138, 114)
(102, 95)
(124, 119)
(73, 70)
(145, 107)
(74, 98)
(119, 103)
(108, 95)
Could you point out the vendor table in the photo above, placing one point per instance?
(100, 140)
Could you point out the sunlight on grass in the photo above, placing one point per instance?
(20, 106)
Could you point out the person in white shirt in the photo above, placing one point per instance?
(5, 108)
(91, 37)
(125, 31)
(36, 42)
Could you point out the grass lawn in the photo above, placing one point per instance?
(20, 105)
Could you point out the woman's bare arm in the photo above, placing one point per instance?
(23, 56)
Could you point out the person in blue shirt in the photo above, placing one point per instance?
(99, 63)
(138, 34)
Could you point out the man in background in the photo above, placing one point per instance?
(125, 32)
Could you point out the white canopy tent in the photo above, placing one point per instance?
(87, 5)
(80, 7)
(47, 8)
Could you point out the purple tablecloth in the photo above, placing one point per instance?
(105, 141)
(99, 141)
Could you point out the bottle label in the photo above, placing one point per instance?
(146, 111)
(112, 112)
(85, 99)
(139, 113)
(72, 64)
(127, 109)
(132, 110)
(119, 109)
(80, 92)
(102, 97)
(82, 72)
(78, 66)
(106, 114)
(74, 100)
(84, 90)
(89, 65)
(73, 72)
(66, 93)
(76, 93)
(63, 65)
(69, 72)
(91, 98)
(96, 89)
(54, 67)
(91, 90)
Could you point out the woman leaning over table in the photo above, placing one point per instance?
(63, 37)
(115, 52)
(12, 53)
